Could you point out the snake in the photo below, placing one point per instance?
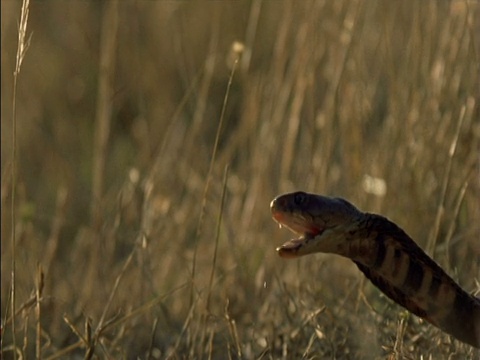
(384, 253)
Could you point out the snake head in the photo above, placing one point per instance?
(319, 222)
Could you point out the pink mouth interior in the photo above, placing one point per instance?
(303, 228)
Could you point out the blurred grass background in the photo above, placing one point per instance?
(118, 201)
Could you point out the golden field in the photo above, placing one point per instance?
(151, 136)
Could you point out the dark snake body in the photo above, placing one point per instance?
(387, 256)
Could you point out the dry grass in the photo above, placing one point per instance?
(129, 244)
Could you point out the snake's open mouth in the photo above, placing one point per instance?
(298, 226)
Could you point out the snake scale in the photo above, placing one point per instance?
(387, 256)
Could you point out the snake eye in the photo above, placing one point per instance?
(300, 198)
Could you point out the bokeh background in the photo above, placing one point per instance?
(151, 137)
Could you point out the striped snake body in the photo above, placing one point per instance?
(387, 256)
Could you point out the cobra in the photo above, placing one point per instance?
(385, 254)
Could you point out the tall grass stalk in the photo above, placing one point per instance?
(23, 43)
(106, 73)
(217, 236)
(432, 243)
(209, 174)
(39, 284)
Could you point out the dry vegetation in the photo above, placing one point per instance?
(143, 198)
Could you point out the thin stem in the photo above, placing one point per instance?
(217, 235)
(22, 47)
(104, 104)
(210, 170)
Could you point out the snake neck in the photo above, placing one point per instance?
(394, 263)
